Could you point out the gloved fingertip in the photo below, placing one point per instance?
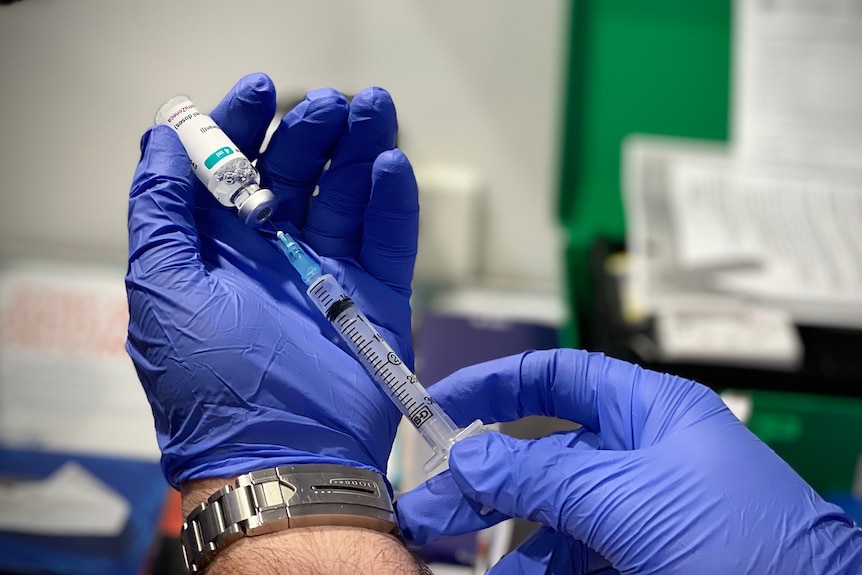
(373, 94)
(470, 447)
(257, 83)
(472, 457)
(391, 162)
(438, 507)
(254, 91)
(161, 138)
(330, 94)
(372, 102)
(394, 189)
(162, 156)
(326, 106)
(322, 106)
(145, 138)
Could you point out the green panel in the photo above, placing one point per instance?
(817, 435)
(635, 66)
(664, 67)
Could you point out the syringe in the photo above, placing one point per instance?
(377, 357)
(234, 181)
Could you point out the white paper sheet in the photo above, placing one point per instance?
(69, 502)
(720, 330)
(795, 238)
(798, 81)
(676, 258)
(66, 383)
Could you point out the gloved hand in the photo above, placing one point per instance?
(662, 478)
(240, 369)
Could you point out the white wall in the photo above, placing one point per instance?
(477, 84)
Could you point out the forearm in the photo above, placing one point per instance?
(312, 550)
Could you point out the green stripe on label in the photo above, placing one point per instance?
(216, 156)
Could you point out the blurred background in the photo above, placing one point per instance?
(677, 184)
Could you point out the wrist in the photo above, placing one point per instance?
(321, 549)
(197, 491)
(335, 550)
(305, 517)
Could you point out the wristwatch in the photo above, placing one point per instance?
(286, 497)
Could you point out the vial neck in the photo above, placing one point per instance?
(243, 194)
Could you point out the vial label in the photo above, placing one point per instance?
(215, 159)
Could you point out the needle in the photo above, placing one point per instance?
(272, 224)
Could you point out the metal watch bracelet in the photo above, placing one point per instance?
(286, 497)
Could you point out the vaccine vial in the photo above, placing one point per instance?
(218, 162)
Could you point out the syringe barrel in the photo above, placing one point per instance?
(388, 370)
(225, 171)
(381, 362)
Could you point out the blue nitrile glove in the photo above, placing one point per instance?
(241, 371)
(662, 478)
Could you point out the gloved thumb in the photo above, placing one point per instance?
(162, 230)
(547, 551)
(569, 490)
